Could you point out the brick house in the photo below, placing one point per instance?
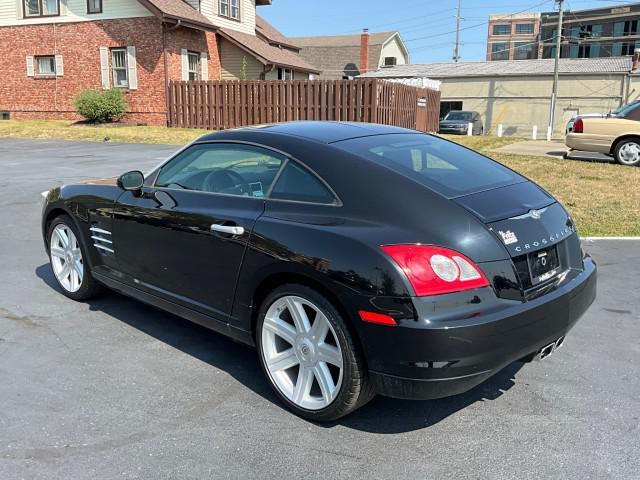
(347, 56)
(52, 49)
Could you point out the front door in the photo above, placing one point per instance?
(184, 238)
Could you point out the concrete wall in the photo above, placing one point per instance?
(519, 103)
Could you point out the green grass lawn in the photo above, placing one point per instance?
(604, 199)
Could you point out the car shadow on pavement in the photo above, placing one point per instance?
(381, 415)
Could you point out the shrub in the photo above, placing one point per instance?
(100, 106)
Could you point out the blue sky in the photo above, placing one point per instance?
(427, 26)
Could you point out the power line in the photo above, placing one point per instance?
(472, 26)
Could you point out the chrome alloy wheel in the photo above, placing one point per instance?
(302, 353)
(629, 153)
(66, 258)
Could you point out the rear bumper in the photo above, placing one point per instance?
(442, 354)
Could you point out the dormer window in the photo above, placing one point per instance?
(230, 9)
(41, 8)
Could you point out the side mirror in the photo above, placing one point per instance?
(131, 181)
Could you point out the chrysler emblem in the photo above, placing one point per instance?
(533, 213)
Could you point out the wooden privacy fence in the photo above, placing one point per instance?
(223, 104)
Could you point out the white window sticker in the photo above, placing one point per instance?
(508, 237)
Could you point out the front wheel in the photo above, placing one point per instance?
(68, 260)
(309, 355)
(627, 152)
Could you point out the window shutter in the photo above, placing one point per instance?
(185, 64)
(104, 67)
(59, 66)
(30, 67)
(204, 62)
(132, 68)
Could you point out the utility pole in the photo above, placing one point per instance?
(456, 49)
(554, 91)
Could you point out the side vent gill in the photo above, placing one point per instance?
(102, 240)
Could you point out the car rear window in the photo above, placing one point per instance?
(443, 166)
(459, 116)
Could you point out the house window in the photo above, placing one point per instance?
(94, 6)
(194, 64)
(500, 51)
(46, 66)
(524, 28)
(621, 29)
(390, 61)
(119, 67)
(502, 29)
(41, 8)
(230, 8)
(285, 74)
(522, 51)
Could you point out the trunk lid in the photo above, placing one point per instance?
(523, 216)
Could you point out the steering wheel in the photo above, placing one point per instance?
(223, 180)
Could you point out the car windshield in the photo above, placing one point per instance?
(443, 166)
(624, 110)
(459, 116)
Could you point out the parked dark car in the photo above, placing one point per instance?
(457, 122)
(359, 259)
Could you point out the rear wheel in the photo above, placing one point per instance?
(627, 152)
(309, 356)
(67, 259)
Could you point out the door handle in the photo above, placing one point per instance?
(231, 230)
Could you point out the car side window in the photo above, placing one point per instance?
(296, 183)
(226, 168)
(633, 114)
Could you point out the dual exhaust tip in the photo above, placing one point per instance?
(549, 349)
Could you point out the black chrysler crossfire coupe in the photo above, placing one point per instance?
(359, 259)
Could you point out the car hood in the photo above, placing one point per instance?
(99, 181)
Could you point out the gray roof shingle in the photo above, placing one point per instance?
(510, 67)
(179, 10)
(266, 52)
(339, 55)
(375, 38)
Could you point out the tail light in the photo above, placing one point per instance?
(435, 270)
(578, 126)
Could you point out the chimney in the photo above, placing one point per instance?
(636, 60)
(364, 51)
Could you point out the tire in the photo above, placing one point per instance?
(294, 357)
(79, 284)
(627, 152)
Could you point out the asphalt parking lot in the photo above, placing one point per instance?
(116, 389)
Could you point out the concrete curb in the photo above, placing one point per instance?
(610, 238)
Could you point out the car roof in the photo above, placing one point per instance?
(320, 131)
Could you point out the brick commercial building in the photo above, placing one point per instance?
(53, 49)
(513, 36)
